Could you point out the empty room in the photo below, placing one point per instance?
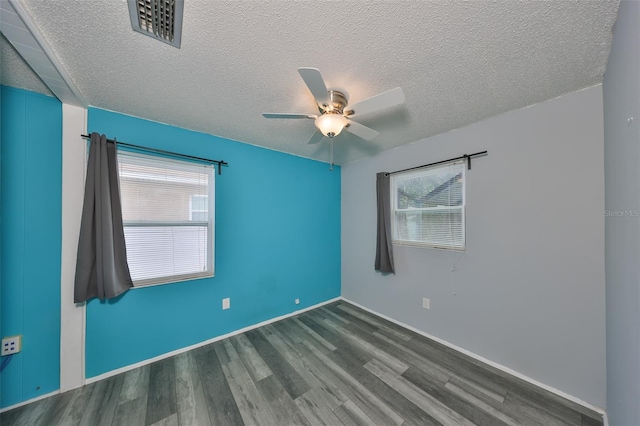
(320, 213)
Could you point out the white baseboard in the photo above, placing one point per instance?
(206, 342)
(29, 401)
(489, 362)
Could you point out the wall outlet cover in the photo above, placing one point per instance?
(426, 303)
(226, 303)
(11, 345)
(297, 301)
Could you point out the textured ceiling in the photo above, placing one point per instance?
(15, 72)
(457, 61)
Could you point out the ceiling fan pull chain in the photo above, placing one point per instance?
(331, 154)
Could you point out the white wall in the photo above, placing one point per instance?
(72, 315)
(621, 90)
(528, 293)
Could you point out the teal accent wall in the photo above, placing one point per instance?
(30, 223)
(277, 239)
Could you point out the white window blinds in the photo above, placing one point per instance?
(428, 206)
(168, 214)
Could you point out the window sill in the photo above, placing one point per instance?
(171, 280)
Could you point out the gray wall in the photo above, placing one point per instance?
(529, 290)
(622, 183)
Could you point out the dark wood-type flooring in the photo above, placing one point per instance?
(334, 365)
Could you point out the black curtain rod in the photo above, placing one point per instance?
(466, 157)
(220, 163)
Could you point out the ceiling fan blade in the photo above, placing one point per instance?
(358, 129)
(384, 100)
(315, 83)
(317, 137)
(278, 115)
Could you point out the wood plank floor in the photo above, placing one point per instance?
(334, 365)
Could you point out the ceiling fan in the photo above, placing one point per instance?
(334, 110)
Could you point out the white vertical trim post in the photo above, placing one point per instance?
(72, 315)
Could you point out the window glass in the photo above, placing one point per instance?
(168, 215)
(428, 206)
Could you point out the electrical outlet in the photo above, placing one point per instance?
(297, 301)
(11, 345)
(226, 303)
(426, 303)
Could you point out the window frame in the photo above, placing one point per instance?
(210, 223)
(393, 208)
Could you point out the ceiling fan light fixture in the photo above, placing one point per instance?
(331, 125)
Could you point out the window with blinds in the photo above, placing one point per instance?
(168, 215)
(427, 206)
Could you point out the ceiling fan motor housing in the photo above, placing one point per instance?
(337, 102)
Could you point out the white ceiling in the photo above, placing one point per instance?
(16, 73)
(457, 61)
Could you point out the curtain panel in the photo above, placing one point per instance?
(384, 246)
(101, 269)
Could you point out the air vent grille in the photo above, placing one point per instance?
(160, 19)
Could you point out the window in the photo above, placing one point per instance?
(427, 206)
(168, 215)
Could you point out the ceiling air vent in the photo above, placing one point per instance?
(160, 19)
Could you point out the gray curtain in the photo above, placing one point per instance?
(101, 270)
(384, 247)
